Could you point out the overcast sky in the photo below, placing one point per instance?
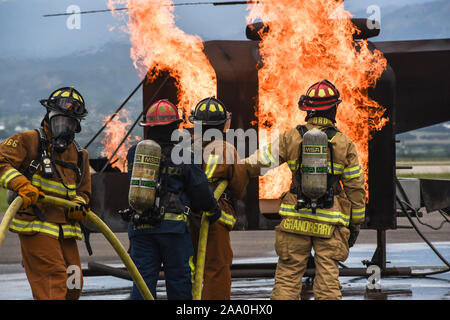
(24, 32)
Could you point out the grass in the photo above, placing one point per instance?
(445, 175)
(3, 203)
(418, 159)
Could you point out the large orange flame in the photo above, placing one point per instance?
(159, 45)
(114, 134)
(311, 40)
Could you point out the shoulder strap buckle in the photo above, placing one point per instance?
(34, 165)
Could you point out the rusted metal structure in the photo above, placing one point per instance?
(413, 88)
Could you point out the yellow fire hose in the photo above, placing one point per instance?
(201, 251)
(7, 218)
(109, 235)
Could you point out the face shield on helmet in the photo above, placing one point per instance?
(63, 130)
(67, 101)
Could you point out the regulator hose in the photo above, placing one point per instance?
(201, 251)
(113, 240)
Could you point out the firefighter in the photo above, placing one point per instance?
(48, 161)
(328, 225)
(220, 163)
(161, 234)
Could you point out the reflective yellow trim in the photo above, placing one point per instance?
(52, 186)
(321, 93)
(167, 216)
(266, 157)
(175, 217)
(8, 176)
(288, 210)
(293, 164)
(212, 108)
(192, 266)
(227, 219)
(352, 168)
(70, 231)
(203, 107)
(52, 229)
(211, 165)
(352, 172)
(56, 93)
(337, 168)
(358, 214)
(22, 226)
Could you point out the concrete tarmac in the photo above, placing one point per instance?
(404, 248)
(246, 244)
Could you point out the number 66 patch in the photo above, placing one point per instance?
(11, 142)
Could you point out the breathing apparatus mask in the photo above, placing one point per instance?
(63, 130)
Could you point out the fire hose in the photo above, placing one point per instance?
(7, 218)
(107, 233)
(201, 251)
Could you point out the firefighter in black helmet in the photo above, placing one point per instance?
(211, 113)
(48, 161)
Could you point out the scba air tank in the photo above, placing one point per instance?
(314, 165)
(144, 179)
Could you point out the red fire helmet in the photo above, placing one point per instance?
(322, 95)
(160, 113)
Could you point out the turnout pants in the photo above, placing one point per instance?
(174, 251)
(294, 250)
(218, 260)
(52, 266)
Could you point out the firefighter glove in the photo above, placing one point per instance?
(29, 193)
(354, 232)
(214, 214)
(78, 212)
(126, 214)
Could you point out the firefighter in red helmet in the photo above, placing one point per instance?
(327, 220)
(160, 235)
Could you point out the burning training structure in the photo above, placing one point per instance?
(394, 83)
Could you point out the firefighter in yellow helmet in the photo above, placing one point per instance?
(220, 163)
(49, 161)
(326, 202)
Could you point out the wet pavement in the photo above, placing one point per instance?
(14, 286)
(404, 249)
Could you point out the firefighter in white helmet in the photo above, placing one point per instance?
(317, 213)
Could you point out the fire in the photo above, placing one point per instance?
(114, 134)
(159, 45)
(311, 40)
